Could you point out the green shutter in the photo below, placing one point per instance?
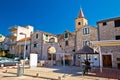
(66, 35)
(46, 37)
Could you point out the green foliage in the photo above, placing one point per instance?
(10, 55)
(0, 36)
(3, 54)
(0, 54)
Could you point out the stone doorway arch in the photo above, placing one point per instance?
(51, 53)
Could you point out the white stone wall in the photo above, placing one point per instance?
(26, 30)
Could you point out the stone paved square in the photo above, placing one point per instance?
(53, 72)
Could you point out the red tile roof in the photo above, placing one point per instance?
(81, 15)
(23, 39)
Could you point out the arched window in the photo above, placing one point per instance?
(79, 23)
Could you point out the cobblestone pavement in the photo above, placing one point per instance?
(55, 72)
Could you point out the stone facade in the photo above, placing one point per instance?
(81, 38)
(67, 44)
(40, 44)
(108, 31)
(70, 40)
(84, 35)
(62, 48)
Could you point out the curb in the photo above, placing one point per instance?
(12, 67)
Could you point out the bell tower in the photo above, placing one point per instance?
(81, 21)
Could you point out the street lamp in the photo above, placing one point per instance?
(24, 50)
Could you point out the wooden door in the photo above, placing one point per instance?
(107, 61)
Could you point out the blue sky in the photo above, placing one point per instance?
(54, 16)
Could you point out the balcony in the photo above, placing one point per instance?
(11, 36)
(13, 28)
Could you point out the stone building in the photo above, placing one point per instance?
(66, 44)
(109, 30)
(41, 45)
(21, 45)
(63, 49)
(84, 35)
(66, 41)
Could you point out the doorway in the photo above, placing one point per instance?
(107, 60)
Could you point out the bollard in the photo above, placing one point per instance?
(19, 70)
(5, 71)
(60, 78)
(2, 65)
(37, 74)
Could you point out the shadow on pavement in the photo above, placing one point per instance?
(40, 77)
(67, 70)
(29, 76)
(106, 73)
(10, 76)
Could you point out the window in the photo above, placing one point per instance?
(117, 37)
(36, 45)
(86, 31)
(46, 37)
(79, 23)
(86, 43)
(104, 23)
(26, 47)
(36, 36)
(66, 43)
(117, 23)
(118, 59)
(66, 35)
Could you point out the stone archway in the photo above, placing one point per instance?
(51, 53)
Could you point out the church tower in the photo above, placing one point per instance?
(81, 21)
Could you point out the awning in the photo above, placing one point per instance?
(86, 50)
(106, 43)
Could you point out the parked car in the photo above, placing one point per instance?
(17, 59)
(8, 62)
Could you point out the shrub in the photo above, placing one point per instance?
(10, 55)
(3, 54)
